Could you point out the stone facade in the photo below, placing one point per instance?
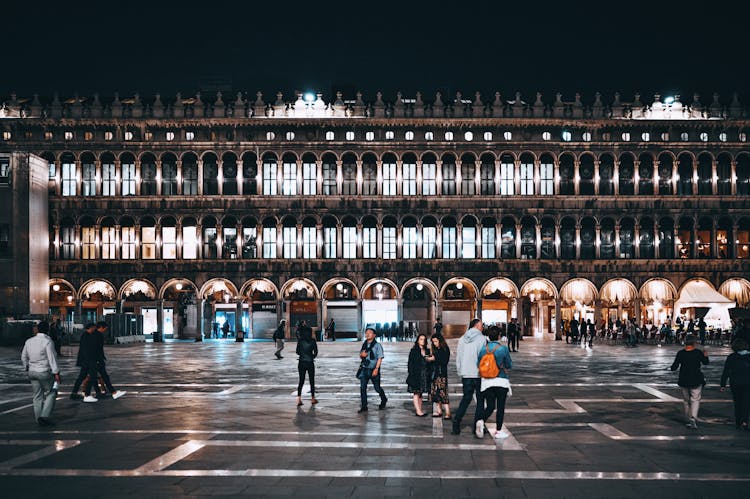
(250, 212)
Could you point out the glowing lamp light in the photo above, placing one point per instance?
(309, 97)
(178, 286)
(379, 286)
(339, 287)
(669, 100)
(70, 297)
(459, 285)
(420, 287)
(56, 287)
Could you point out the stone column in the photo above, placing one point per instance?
(439, 177)
(617, 240)
(637, 241)
(359, 177)
(178, 166)
(159, 177)
(596, 177)
(118, 242)
(657, 251)
(240, 166)
(578, 241)
(138, 178)
(339, 176)
(598, 241)
(238, 320)
(714, 177)
(201, 318)
(733, 243)
(279, 242)
(339, 240)
(537, 177)
(319, 241)
(79, 177)
(56, 243)
(199, 234)
(78, 248)
(516, 177)
(636, 177)
(498, 238)
(79, 312)
(399, 178)
(299, 241)
(137, 230)
(518, 241)
(420, 247)
(259, 175)
(577, 177)
(558, 320)
(200, 179)
(118, 177)
(159, 337)
(439, 241)
(538, 240)
(616, 177)
(419, 177)
(733, 177)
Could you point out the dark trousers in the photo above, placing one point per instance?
(741, 396)
(365, 378)
(309, 368)
(99, 368)
(81, 376)
(471, 387)
(514, 341)
(495, 397)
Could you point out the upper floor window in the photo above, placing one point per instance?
(684, 137)
(109, 135)
(586, 136)
(743, 137)
(389, 135)
(369, 136)
(68, 135)
(723, 136)
(88, 135)
(4, 170)
(448, 135)
(567, 136)
(546, 179)
(409, 135)
(269, 177)
(6, 135)
(704, 137)
(429, 136)
(289, 135)
(128, 178)
(109, 179)
(330, 135)
(48, 135)
(69, 178)
(487, 135)
(546, 136)
(270, 136)
(189, 135)
(169, 136)
(389, 179)
(148, 136)
(626, 136)
(468, 136)
(409, 179)
(509, 135)
(507, 184)
(309, 178)
(428, 179)
(349, 135)
(645, 136)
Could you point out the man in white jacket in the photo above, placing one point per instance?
(40, 362)
(466, 363)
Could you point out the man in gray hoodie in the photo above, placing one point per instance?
(466, 363)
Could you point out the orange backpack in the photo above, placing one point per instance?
(488, 365)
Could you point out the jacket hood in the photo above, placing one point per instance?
(472, 335)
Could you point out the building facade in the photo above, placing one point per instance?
(198, 213)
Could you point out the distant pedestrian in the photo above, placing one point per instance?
(466, 363)
(331, 330)
(691, 379)
(495, 388)
(417, 380)
(702, 331)
(737, 371)
(101, 364)
(441, 355)
(278, 336)
(574, 330)
(513, 334)
(438, 327)
(585, 327)
(56, 334)
(307, 349)
(225, 329)
(371, 355)
(86, 360)
(40, 362)
(592, 333)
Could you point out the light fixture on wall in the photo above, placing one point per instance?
(420, 287)
(178, 286)
(55, 287)
(459, 285)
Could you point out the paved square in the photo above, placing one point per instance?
(219, 418)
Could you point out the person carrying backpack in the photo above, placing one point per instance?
(493, 362)
(737, 371)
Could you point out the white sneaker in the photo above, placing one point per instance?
(501, 434)
(117, 394)
(479, 429)
(90, 398)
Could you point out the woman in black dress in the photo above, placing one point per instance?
(418, 379)
(441, 355)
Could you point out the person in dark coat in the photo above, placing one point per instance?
(691, 379)
(441, 355)
(737, 371)
(87, 352)
(418, 378)
(307, 349)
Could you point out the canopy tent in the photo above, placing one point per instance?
(701, 295)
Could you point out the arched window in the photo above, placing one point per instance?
(69, 175)
(646, 242)
(389, 175)
(548, 249)
(190, 175)
(743, 174)
(627, 238)
(210, 238)
(685, 238)
(685, 175)
(449, 237)
(168, 238)
(606, 175)
(528, 239)
(469, 237)
(390, 239)
(646, 174)
(527, 175)
(429, 175)
(626, 175)
(410, 239)
(487, 175)
(210, 175)
(607, 239)
(309, 175)
(724, 238)
(249, 174)
(349, 238)
(743, 238)
(546, 175)
(329, 238)
(666, 163)
(666, 238)
(289, 237)
(369, 175)
(109, 174)
(189, 238)
(703, 238)
(88, 239)
(724, 175)
(289, 175)
(508, 238)
(270, 182)
(568, 239)
(429, 238)
(507, 175)
(567, 171)
(88, 175)
(586, 173)
(705, 175)
(349, 175)
(309, 239)
(148, 238)
(369, 238)
(229, 238)
(127, 167)
(229, 175)
(108, 239)
(127, 239)
(588, 239)
(168, 175)
(449, 175)
(468, 175)
(409, 175)
(269, 238)
(249, 238)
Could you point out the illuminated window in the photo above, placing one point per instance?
(429, 242)
(148, 136)
(546, 179)
(189, 242)
(69, 180)
(349, 135)
(389, 135)
(448, 135)
(148, 243)
(88, 243)
(128, 135)
(665, 136)
(330, 135)
(369, 242)
(743, 137)
(330, 184)
(108, 243)
(289, 235)
(428, 179)
(289, 135)
(109, 179)
(468, 136)
(350, 242)
(47, 135)
(429, 136)
(389, 179)
(645, 136)
(270, 135)
(309, 178)
(269, 177)
(109, 136)
(88, 135)
(704, 137)
(507, 184)
(468, 242)
(488, 242)
(586, 136)
(170, 136)
(449, 242)
(369, 136)
(509, 135)
(189, 135)
(309, 243)
(88, 186)
(4, 170)
(329, 242)
(68, 240)
(684, 137)
(128, 243)
(6, 135)
(389, 243)
(626, 136)
(723, 136)
(269, 242)
(567, 136)
(527, 178)
(409, 135)
(409, 179)
(68, 135)
(487, 135)
(410, 242)
(168, 243)
(546, 136)
(289, 181)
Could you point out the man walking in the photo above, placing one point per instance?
(278, 336)
(513, 334)
(86, 355)
(372, 356)
(466, 363)
(40, 362)
(100, 365)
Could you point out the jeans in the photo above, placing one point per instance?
(364, 378)
(309, 368)
(741, 397)
(691, 400)
(279, 347)
(82, 376)
(471, 387)
(495, 397)
(96, 369)
(44, 395)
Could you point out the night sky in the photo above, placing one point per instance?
(565, 46)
